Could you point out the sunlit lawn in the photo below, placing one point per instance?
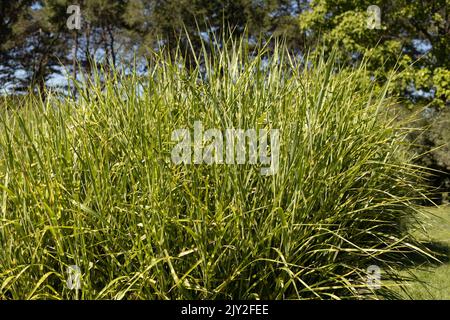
(434, 280)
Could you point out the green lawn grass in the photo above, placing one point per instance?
(434, 280)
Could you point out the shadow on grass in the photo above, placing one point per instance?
(438, 253)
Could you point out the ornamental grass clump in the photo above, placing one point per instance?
(89, 181)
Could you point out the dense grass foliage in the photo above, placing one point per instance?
(90, 182)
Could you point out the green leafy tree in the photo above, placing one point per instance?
(413, 36)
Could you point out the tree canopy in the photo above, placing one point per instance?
(413, 37)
